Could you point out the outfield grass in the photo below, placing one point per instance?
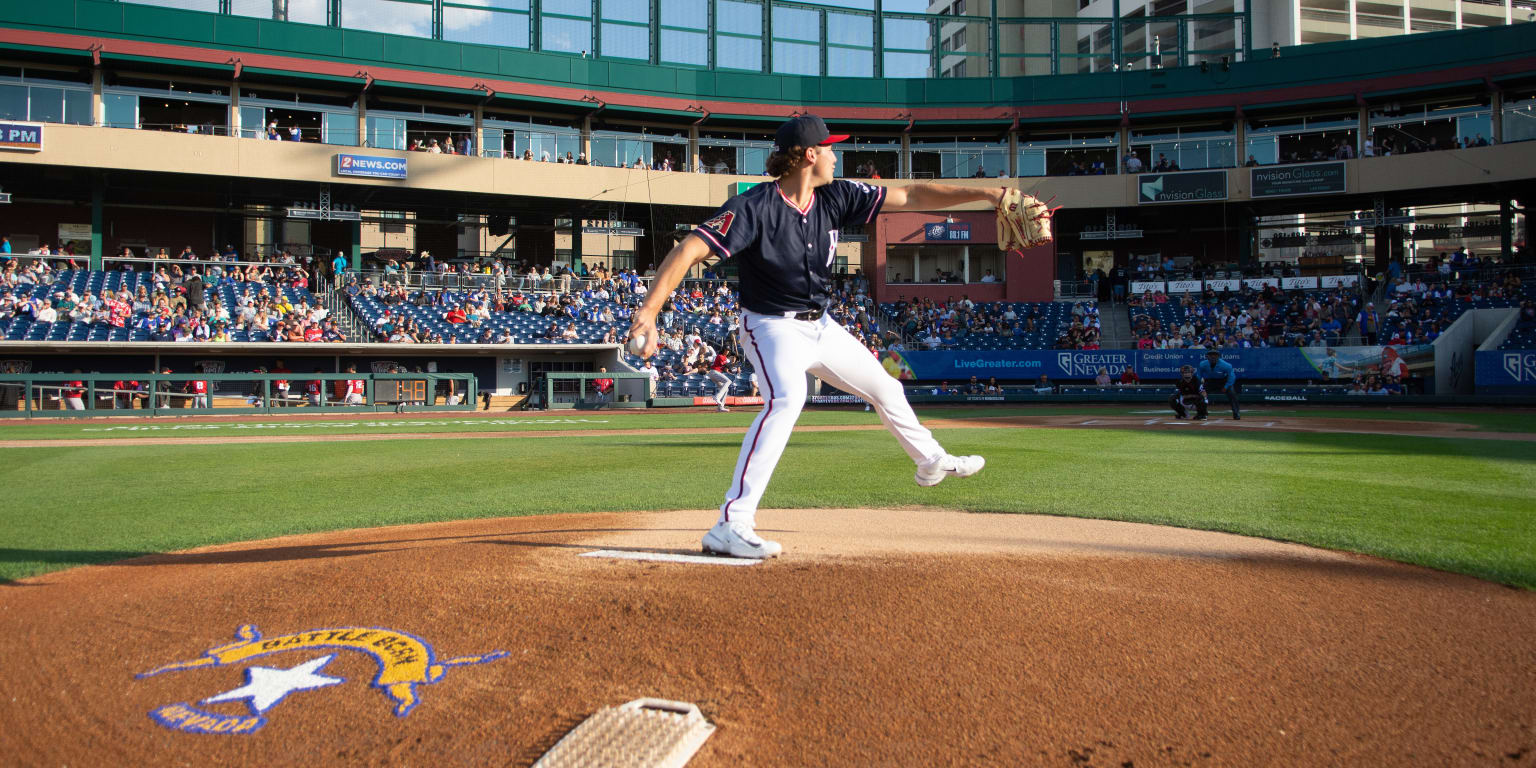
(1493, 421)
(1454, 504)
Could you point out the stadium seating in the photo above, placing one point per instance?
(530, 328)
(23, 328)
(1172, 314)
(1052, 318)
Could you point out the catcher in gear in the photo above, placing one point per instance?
(1189, 391)
(1023, 222)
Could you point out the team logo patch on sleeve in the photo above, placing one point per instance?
(721, 223)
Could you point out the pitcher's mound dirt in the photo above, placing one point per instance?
(901, 638)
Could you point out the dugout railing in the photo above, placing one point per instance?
(52, 395)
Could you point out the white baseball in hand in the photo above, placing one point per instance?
(637, 344)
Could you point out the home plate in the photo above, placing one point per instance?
(645, 733)
(670, 557)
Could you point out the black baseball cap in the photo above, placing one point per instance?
(1212, 352)
(804, 131)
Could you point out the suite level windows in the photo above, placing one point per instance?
(45, 95)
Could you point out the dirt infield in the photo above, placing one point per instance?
(882, 637)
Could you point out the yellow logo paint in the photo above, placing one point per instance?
(404, 662)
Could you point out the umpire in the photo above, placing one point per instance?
(1188, 391)
(1218, 373)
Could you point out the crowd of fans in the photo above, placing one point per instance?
(1244, 319)
(1423, 304)
(931, 324)
(176, 302)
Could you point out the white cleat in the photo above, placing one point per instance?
(739, 540)
(722, 409)
(934, 472)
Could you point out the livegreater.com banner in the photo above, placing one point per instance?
(1297, 363)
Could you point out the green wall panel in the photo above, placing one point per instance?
(237, 31)
(695, 81)
(581, 70)
(46, 14)
(478, 58)
(282, 37)
(525, 65)
(959, 91)
(641, 77)
(168, 22)
(849, 90)
(98, 16)
(799, 90)
(902, 92)
(419, 52)
(734, 85)
(357, 44)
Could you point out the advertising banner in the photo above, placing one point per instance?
(947, 231)
(1185, 187)
(1293, 283)
(22, 137)
(1340, 281)
(1223, 285)
(1290, 180)
(1139, 287)
(1259, 283)
(1184, 286)
(1505, 370)
(1276, 363)
(369, 166)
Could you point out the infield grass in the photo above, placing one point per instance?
(1461, 505)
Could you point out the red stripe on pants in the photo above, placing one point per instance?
(763, 369)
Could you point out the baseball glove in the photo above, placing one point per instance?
(1023, 222)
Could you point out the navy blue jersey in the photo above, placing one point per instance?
(785, 254)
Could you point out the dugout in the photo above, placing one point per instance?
(504, 375)
(595, 391)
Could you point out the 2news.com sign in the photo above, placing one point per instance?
(24, 137)
(1506, 370)
(369, 166)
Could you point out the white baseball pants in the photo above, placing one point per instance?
(722, 385)
(783, 350)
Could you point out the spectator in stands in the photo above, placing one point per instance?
(1103, 378)
(1128, 377)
